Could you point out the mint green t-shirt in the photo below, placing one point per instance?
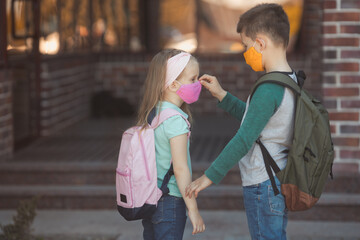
(170, 128)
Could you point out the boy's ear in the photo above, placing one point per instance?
(261, 42)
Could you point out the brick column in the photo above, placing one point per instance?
(6, 119)
(341, 41)
(67, 83)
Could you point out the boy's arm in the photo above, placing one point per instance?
(178, 146)
(228, 102)
(233, 105)
(267, 98)
(265, 101)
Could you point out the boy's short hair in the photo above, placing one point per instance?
(267, 18)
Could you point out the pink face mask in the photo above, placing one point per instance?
(189, 92)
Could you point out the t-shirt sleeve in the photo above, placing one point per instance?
(175, 126)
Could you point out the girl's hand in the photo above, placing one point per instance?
(212, 84)
(198, 185)
(197, 222)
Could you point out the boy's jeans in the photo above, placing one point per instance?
(168, 222)
(266, 213)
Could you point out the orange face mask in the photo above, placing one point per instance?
(254, 59)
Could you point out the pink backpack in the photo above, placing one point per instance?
(137, 192)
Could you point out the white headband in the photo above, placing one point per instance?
(175, 65)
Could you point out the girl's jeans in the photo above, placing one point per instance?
(266, 213)
(168, 222)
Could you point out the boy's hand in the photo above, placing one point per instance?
(198, 185)
(212, 84)
(197, 222)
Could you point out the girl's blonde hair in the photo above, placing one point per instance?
(154, 86)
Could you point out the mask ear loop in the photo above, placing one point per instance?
(178, 82)
(261, 51)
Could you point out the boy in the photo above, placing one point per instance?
(264, 32)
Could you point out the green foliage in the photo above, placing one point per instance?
(20, 229)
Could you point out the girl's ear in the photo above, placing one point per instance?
(174, 86)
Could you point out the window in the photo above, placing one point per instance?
(70, 26)
(210, 25)
(20, 27)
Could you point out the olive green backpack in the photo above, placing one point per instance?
(311, 155)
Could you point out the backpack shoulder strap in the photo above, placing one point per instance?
(277, 78)
(285, 81)
(166, 114)
(160, 118)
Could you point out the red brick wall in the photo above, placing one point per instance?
(341, 46)
(331, 61)
(237, 77)
(67, 84)
(125, 77)
(6, 122)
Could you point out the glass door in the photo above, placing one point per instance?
(24, 63)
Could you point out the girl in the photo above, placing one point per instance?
(171, 81)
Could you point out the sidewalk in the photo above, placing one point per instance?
(220, 225)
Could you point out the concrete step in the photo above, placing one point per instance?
(77, 173)
(226, 225)
(343, 181)
(60, 197)
(331, 206)
(96, 173)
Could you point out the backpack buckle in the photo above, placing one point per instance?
(301, 76)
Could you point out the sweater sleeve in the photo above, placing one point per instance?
(233, 105)
(265, 101)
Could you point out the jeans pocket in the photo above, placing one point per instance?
(159, 213)
(276, 203)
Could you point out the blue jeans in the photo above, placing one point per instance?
(168, 221)
(266, 213)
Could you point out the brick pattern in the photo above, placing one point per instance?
(122, 76)
(341, 88)
(6, 119)
(66, 89)
(331, 61)
(125, 78)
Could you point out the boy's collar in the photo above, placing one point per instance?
(284, 72)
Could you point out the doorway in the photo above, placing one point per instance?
(24, 63)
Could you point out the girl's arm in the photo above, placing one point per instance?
(178, 146)
(227, 102)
